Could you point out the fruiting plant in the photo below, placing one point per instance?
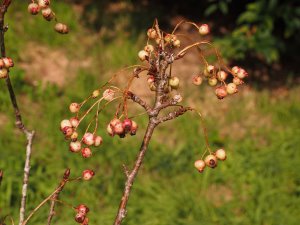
(161, 51)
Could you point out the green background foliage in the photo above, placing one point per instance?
(258, 184)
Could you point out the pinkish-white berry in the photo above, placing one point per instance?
(83, 209)
(149, 48)
(204, 29)
(197, 80)
(74, 136)
(33, 8)
(48, 14)
(176, 43)
(43, 3)
(151, 33)
(212, 81)
(134, 128)
(242, 73)
(209, 70)
(98, 141)
(220, 154)
(74, 122)
(88, 139)
(61, 28)
(222, 75)
(143, 55)
(211, 161)
(235, 70)
(200, 165)
(231, 88)
(74, 107)
(75, 146)
(86, 152)
(3, 73)
(65, 123)
(67, 131)
(88, 174)
(110, 130)
(109, 94)
(237, 81)
(8, 62)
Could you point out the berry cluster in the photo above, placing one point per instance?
(5, 64)
(47, 13)
(121, 128)
(81, 216)
(210, 160)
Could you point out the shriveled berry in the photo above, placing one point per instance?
(86, 152)
(109, 94)
(200, 165)
(204, 29)
(88, 174)
(88, 139)
(75, 146)
(211, 161)
(221, 92)
(33, 8)
(221, 154)
(98, 141)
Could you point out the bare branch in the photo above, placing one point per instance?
(173, 115)
(56, 195)
(138, 100)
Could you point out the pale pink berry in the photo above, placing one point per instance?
(48, 14)
(65, 123)
(74, 136)
(88, 174)
(43, 3)
(109, 94)
(151, 33)
(79, 218)
(174, 82)
(237, 81)
(3, 73)
(86, 152)
(221, 92)
(220, 154)
(242, 73)
(33, 8)
(143, 55)
(231, 88)
(74, 122)
(61, 28)
(8, 62)
(212, 81)
(209, 70)
(204, 29)
(197, 80)
(98, 141)
(1, 63)
(211, 161)
(134, 128)
(74, 107)
(83, 209)
(149, 48)
(118, 128)
(178, 98)
(200, 165)
(222, 75)
(75, 146)
(88, 139)
(235, 70)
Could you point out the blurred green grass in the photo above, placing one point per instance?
(258, 184)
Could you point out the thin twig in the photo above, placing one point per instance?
(56, 195)
(19, 123)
